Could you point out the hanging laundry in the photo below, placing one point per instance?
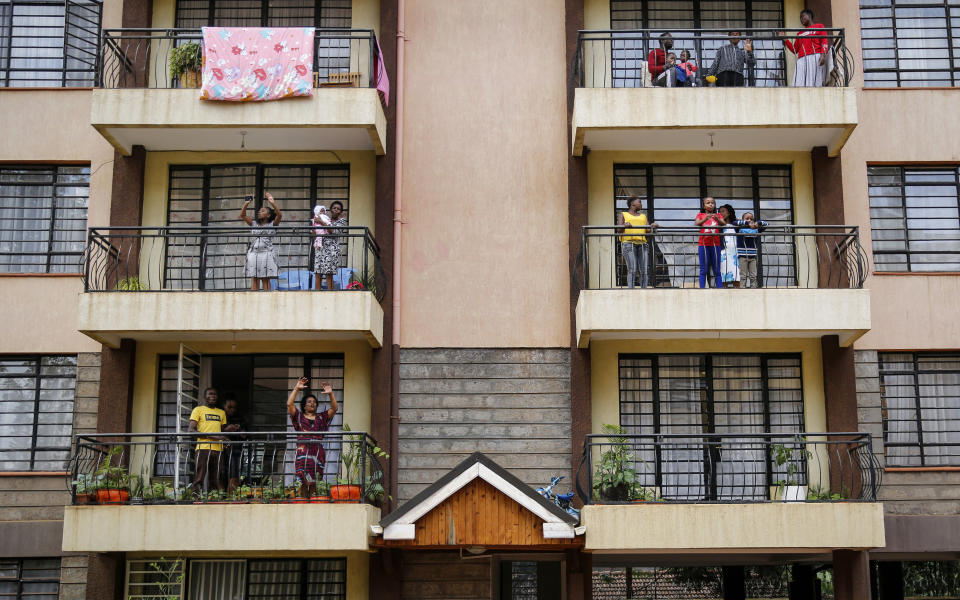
(380, 79)
(246, 64)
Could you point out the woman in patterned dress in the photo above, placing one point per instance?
(310, 454)
(326, 258)
(261, 263)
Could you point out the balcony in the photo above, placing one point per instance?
(810, 277)
(147, 486)
(138, 103)
(618, 107)
(187, 283)
(732, 493)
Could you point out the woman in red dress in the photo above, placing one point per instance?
(310, 454)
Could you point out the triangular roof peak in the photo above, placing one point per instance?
(401, 523)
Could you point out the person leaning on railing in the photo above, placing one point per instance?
(731, 61)
(233, 455)
(812, 49)
(208, 419)
(311, 456)
(632, 223)
(261, 263)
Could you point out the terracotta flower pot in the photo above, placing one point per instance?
(84, 499)
(320, 499)
(113, 496)
(345, 493)
(190, 79)
(299, 500)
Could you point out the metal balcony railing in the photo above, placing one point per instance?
(188, 468)
(619, 58)
(140, 58)
(728, 468)
(160, 259)
(793, 256)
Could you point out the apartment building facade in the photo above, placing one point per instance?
(485, 332)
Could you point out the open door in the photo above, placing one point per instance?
(188, 396)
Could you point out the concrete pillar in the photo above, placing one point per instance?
(890, 575)
(840, 394)
(734, 587)
(579, 575)
(116, 387)
(105, 573)
(851, 575)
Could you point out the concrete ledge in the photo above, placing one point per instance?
(673, 119)
(748, 313)
(775, 527)
(333, 119)
(219, 528)
(182, 316)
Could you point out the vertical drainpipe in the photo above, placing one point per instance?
(397, 257)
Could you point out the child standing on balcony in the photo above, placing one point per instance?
(689, 68)
(731, 62)
(261, 263)
(748, 239)
(709, 244)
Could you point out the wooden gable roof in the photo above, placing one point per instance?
(479, 503)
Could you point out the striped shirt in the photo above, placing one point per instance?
(731, 58)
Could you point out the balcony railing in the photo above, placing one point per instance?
(728, 468)
(140, 58)
(161, 259)
(190, 468)
(792, 256)
(618, 58)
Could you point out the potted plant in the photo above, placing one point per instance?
(614, 478)
(244, 493)
(186, 495)
(357, 455)
(130, 284)
(137, 492)
(82, 492)
(111, 480)
(159, 492)
(789, 489)
(322, 493)
(186, 60)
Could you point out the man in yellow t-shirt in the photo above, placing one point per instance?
(208, 419)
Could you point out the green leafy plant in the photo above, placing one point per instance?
(83, 484)
(816, 493)
(789, 456)
(158, 491)
(358, 453)
(110, 473)
(615, 477)
(166, 578)
(184, 58)
(130, 284)
(323, 488)
(187, 494)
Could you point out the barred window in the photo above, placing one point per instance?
(43, 218)
(36, 412)
(920, 395)
(910, 43)
(915, 218)
(152, 579)
(48, 43)
(266, 13)
(30, 579)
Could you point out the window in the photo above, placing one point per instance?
(253, 579)
(910, 43)
(43, 218)
(36, 412)
(662, 15)
(920, 394)
(915, 218)
(530, 579)
(193, 14)
(695, 394)
(213, 195)
(672, 194)
(30, 579)
(48, 43)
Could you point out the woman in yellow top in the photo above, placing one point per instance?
(632, 223)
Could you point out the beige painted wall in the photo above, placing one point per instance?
(42, 316)
(356, 371)
(899, 126)
(362, 179)
(485, 251)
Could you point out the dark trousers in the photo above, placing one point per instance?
(729, 79)
(709, 259)
(207, 469)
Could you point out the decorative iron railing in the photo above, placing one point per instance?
(178, 468)
(622, 58)
(161, 259)
(728, 468)
(794, 256)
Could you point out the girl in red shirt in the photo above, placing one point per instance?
(812, 49)
(709, 244)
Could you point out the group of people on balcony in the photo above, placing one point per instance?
(261, 264)
(726, 246)
(219, 467)
(668, 69)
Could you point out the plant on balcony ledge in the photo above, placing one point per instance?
(130, 284)
(789, 489)
(615, 479)
(355, 456)
(83, 492)
(111, 481)
(186, 61)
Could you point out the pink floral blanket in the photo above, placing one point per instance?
(245, 64)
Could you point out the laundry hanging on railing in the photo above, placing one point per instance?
(248, 64)
(380, 78)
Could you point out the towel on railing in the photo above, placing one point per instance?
(380, 78)
(244, 64)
